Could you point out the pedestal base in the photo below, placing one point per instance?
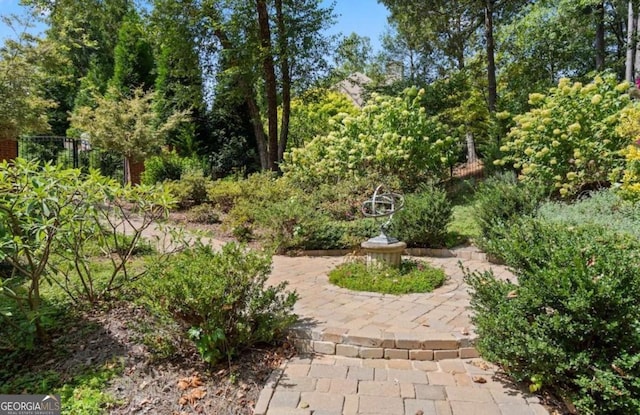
(383, 254)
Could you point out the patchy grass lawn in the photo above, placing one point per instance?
(411, 277)
(463, 227)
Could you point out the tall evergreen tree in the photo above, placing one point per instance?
(179, 82)
(133, 57)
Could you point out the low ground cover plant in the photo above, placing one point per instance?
(411, 276)
(570, 323)
(606, 208)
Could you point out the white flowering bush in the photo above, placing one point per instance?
(390, 136)
(569, 140)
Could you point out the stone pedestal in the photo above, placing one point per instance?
(383, 253)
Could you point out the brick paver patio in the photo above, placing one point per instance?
(374, 354)
(323, 385)
(389, 355)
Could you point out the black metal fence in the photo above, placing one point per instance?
(72, 153)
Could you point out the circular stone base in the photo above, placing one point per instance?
(383, 254)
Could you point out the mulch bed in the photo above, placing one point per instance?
(181, 384)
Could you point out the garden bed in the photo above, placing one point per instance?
(100, 363)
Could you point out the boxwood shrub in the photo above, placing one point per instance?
(572, 321)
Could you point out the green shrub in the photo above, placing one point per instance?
(569, 140)
(224, 193)
(572, 322)
(287, 224)
(157, 169)
(499, 201)
(191, 189)
(409, 277)
(629, 177)
(204, 213)
(357, 231)
(257, 193)
(223, 299)
(343, 200)
(424, 219)
(277, 212)
(311, 113)
(52, 219)
(168, 166)
(292, 225)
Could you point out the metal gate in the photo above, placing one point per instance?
(72, 153)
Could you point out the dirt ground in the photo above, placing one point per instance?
(184, 384)
(180, 384)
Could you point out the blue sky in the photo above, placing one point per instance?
(364, 17)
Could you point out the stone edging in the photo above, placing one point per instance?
(472, 254)
(382, 346)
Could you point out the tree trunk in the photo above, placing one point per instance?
(631, 23)
(599, 45)
(636, 60)
(127, 170)
(629, 75)
(250, 100)
(491, 62)
(472, 157)
(283, 46)
(256, 123)
(270, 81)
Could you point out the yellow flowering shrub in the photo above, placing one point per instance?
(569, 139)
(312, 113)
(630, 128)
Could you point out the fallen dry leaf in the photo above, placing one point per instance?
(478, 379)
(184, 383)
(192, 396)
(512, 294)
(192, 382)
(479, 364)
(198, 393)
(196, 381)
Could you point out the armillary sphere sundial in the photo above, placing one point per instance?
(383, 204)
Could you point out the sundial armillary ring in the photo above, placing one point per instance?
(382, 204)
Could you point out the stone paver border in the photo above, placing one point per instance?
(320, 384)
